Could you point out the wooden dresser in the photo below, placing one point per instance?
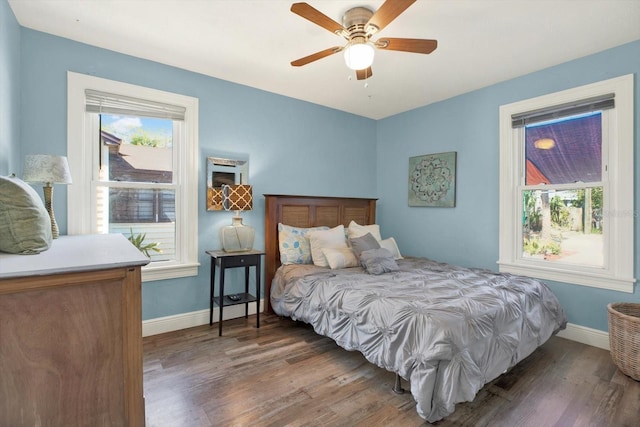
(71, 334)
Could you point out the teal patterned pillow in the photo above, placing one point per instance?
(294, 244)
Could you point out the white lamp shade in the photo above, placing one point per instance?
(359, 56)
(46, 168)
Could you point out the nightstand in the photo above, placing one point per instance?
(226, 260)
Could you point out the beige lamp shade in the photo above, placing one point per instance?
(46, 168)
(49, 170)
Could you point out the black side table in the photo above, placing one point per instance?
(226, 260)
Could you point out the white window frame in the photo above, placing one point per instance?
(617, 273)
(81, 154)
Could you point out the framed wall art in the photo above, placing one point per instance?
(432, 180)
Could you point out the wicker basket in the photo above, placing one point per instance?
(624, 337)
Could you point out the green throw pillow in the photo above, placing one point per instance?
(25, 226)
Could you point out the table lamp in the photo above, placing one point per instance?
(237, 237)
(47, 169)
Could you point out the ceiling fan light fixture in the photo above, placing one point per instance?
(359, 56)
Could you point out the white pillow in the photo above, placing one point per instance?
(322, 239)
(340, 257)
(357, 230)
(391, 245)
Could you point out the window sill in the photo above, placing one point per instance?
(151, 273)
(583, 278)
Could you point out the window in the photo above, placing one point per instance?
(135, 189)
(566, 186)
(133, 153)
(562, 191)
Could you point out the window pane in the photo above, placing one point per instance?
(141, 205)
(136, 149)
(564, 151)
(563, 226)
(147, 214)
(159, 238)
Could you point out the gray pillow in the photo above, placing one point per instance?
(378, 261)
(25, 226)
(363, 243)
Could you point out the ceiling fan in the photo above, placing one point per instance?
(358, 26)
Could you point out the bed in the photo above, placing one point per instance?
(447, 330)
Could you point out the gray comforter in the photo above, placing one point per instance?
(446, 329)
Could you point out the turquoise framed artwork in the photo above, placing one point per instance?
(432, 180)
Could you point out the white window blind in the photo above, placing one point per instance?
(109, 103)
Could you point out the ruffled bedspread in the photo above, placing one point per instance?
(448, 330)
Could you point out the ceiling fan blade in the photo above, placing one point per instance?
(364, 74)
(407, 45)
(316, 56)
(314, 15)
(389, 11)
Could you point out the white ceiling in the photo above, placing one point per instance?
(480, 42)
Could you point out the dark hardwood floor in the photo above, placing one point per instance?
(284, 374)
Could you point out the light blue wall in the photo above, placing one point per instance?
(300, 148)
(9, 90)
(468, 234)
(294, 147)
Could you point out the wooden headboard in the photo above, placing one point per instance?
(305, 212)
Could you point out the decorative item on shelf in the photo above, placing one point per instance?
(237, 237)
(47, 169)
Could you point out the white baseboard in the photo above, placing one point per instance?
(160, 325)
(176, 322)
(584, 335)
